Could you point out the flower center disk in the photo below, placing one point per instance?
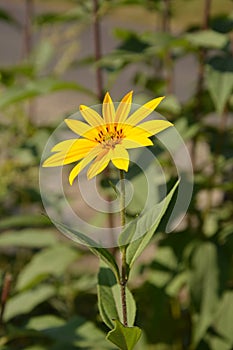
(110, 138)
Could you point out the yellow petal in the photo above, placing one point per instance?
(81, 128)
(155, 126)
(120, 157)
(108, 109)
(75, 171)
(91, 116)
(135, 132)
(135, 144)
(81, 165)
(64, 145)
(144, 111)
(123, 109)
(138, 135)
(69, 153)
(99, 164)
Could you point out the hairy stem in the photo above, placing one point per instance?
(123, 252)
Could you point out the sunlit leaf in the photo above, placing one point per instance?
(31, 238)
(171, 105)
(220, 85)
(222, 323)
(51, 261)
(44, 322)
(23, 303)
(163, 267)
(76, 331)
(37, 88)
(210, 226)
(204, 282)
(124, 337)
(42, 55)
(76, 14)
(208, 39)
(187, 131)
(33, 220)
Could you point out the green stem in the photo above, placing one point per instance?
(100, 94)
(122, 198)
(123, 252)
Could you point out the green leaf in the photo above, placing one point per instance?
(159, 278)
(221, 62)
(207, 39)
(223, 324)
(222, 23)
(75, 332)
(44, 322)
(158, 39)
(23, 303)
(76, 14)
(52, 261)
(177, 283)
(132, 41)
(220, 85)
(163, 267)
(210, 225)
(35, 88)
(124, 337)
(171, 105)
(185, 129)
(226, 237)
(29, 238)
(102, 253)
(137, 203)
(204, 283)
(18, 221)
(146, 223)
(109, 298)
(9, 74)
(83, 283)
(42, 55)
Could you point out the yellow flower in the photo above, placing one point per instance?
(106, 138)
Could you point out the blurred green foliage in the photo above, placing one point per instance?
(184, 287)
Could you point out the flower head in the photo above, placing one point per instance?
(106, 138)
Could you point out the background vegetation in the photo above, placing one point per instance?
(183, 285)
